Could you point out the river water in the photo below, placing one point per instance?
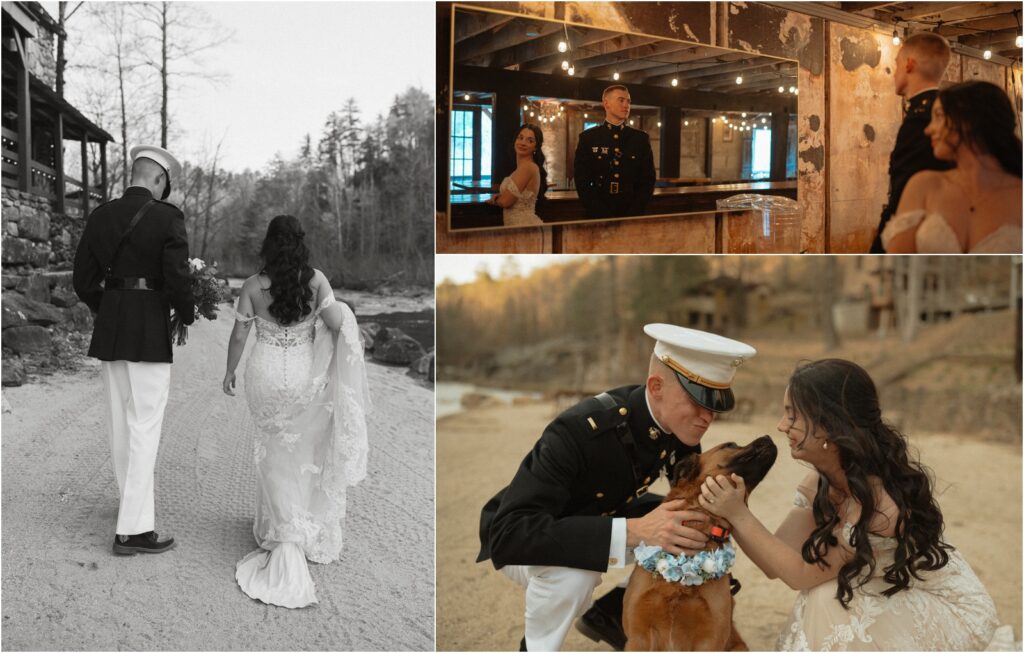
(448, 396)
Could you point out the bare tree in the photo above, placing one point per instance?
(829, 299)
(182, 31)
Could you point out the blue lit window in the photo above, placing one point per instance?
(761, 150)
(470, 148)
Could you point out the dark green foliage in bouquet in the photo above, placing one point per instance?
(209, 293)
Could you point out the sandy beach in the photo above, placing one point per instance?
(978, 485)
(63, 589)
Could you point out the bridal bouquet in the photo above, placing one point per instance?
(208, 291)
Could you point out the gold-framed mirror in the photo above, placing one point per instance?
(718, 122)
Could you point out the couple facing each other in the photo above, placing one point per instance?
(955, 171)
(863, 540)
(613, 168)
(305, 379)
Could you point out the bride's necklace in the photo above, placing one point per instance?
(976, 199)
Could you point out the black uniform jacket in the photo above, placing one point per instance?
(558, 510)
(134, 325)
(607, 155)
(912, 154)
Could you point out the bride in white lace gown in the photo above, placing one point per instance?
(976, 207)
(305, 384)
(864, 524)
(520, 190)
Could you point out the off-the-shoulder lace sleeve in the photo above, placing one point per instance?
(900, 223)
(328, 300)
(241, 317)
(510, 185)
(800, 501)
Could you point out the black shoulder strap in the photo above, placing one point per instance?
(625, 435)
(124, 237)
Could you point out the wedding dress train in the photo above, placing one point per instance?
(306, 388)
(935, 236)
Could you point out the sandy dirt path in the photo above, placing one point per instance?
(63, 589)
(979, 485)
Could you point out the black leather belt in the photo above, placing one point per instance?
(132, 283)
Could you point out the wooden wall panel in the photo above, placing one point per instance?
(865, 115)
(688, 234)
(500, 241)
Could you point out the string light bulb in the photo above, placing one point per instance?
(987, 54)
(792, 89)
(631, 122)
(1019, 42)
(686, 123)
(782, 90)
(764, 121)
(571, 71)
(739, 79)
(743, 115)
(659, 123)
(895, 37)
(675, 81)
(466, 97)
(714, 120)
(562, 46)
(586, 115)
(615, 75)
(565, 64)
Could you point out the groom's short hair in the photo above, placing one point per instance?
(613, 87)
(932, 53)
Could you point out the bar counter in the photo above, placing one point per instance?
(470, 211)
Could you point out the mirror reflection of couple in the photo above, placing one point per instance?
(613, 168)
(955, 171)
(305, 379)
(863, 539)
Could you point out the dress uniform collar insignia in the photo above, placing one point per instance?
(616, 128)
(653, 433)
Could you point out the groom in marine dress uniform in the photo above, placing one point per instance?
(579, 501)
(920, 65)
(614, 166)
(131, 268)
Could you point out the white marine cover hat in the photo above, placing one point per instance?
(704, 363)
(163, 158)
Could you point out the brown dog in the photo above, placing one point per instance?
(659, 615)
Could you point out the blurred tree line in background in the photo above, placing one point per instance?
(597, 306)
(361, 188)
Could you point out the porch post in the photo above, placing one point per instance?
(24, 130)
(103, 170)
(58, 160)
(85, 173)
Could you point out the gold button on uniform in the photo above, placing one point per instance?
(616, 175)
(600, 495)
(615, 135)
(663, 454)
(613, 561)
(623, 411)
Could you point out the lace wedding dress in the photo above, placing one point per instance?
(524, 212)
(935, 236)
(306, 388)
(948, 611)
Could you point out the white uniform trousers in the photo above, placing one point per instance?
(137, 396)
(555, 596)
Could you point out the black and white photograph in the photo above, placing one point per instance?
(218, 326)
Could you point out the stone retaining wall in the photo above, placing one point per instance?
(38, 303)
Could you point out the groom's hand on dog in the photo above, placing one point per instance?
(665, 527)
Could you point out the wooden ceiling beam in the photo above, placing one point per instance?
(952, 12)
(989, 39)
(507, 35)
(854, 7)
(470, 23)
(685, 53)
(617, 43)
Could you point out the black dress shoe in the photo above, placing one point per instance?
(141, 543)
(522, 644)
(603, 621)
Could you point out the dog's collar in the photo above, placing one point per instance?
(687, 570)
(719, 534)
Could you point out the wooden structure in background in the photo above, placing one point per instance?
(36, 120)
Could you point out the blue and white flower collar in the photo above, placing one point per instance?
(687, 570)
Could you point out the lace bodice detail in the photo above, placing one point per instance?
(292, 335)
(524, 211)
(935, 235)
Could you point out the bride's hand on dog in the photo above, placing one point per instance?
(664, 527)
(723, 496)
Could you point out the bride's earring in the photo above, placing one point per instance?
(825, 445)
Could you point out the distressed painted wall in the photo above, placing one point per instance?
(865, 117)
(726, 155)
(692, 147)
(842, 151)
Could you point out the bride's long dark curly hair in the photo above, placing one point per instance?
(286, 261)
(839, 397)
